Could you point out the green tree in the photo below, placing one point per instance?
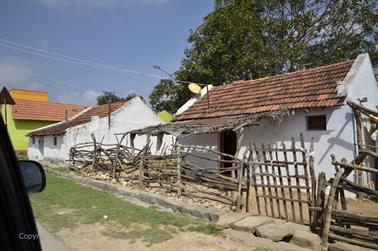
(131, 95)
(107, 97)
(247, 39)
(168, 95)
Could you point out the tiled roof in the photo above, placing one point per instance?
(311, 88)
(43, 111)
(84, 117)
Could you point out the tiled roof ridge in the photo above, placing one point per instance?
(290, 73)
(49, 102)
(308, 88)
(78, 119)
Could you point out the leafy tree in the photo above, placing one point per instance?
(168, 95)
(130, 95)
(107, 97)
(247, 39)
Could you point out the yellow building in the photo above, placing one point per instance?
(32, 110)
(29, 95)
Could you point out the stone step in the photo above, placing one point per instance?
(260, 243)
(227, 219)
(251, 223)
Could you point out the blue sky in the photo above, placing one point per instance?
(127, 34)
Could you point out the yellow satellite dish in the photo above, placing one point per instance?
(374, 118)
(195, 88)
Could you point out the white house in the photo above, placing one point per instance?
(52, 143)
(315, 100)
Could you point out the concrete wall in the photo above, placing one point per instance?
(134, 114)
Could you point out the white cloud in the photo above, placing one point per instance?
(88, 97)
(14, 74)
(11, 72)
(95, 3)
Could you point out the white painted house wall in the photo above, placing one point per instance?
(338, 139)
(135, 114)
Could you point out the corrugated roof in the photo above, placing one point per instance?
(311, 88)
(43, 111)
(84, 117)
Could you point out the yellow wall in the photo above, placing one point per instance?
(17, 129)
(29, 95)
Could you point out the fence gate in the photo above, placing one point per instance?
(283, 180)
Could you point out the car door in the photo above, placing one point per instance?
(16, 216)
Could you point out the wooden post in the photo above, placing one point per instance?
(178, 172)
(357, 116)
(274, 180)
(249, 172)
(94, 156)
(306, 173)
(240, 180)
(261, 179)
(289, 181)
(267, 180)
(234, 164)
(282, 188)
(312, 172)
(320, 198)
(147, 153)
(141, 167)
(328, 210)
(297, 179)
(143, 157)
(148, 140)
(132, 137)
(253, 176)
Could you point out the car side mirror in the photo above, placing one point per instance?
(33, 175)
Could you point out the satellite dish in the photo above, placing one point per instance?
(195, 88)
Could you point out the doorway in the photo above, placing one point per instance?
(228, 140)
(41, 144)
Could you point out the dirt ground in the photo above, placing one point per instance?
(93, 237)
(363, 206)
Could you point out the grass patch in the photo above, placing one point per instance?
(85, 205)
(61, 169)
(151, 235)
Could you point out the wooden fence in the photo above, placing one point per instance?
(343, 225)
(282, 178)
(284, 181)
(172, 170)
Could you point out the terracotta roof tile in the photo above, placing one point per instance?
(43, 111)
(84, 117)
(309, 88)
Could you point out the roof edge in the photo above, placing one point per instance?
(59, 123)
(355, 67)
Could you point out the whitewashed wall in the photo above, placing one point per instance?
(135, 114)
(210, 141)
(337, 139)
(50, 151)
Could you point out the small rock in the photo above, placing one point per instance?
(60, 213)
(275, 232)
(306, 239)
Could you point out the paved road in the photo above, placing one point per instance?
(50, 242)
